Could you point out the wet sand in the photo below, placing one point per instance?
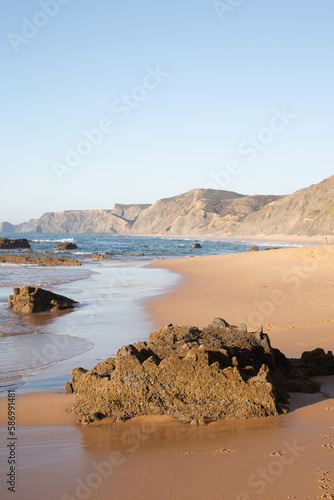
(290, 456)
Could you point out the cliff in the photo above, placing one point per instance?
(307, 212)
(197, 212)
(119, 220)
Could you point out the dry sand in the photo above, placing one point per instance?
(291, 291)
(286, 238)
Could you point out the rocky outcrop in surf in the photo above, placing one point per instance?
(42, 261)
(29, 300)
(6, 243)
(66, 246)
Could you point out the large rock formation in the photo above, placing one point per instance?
(11, 244)
(28, 300)
(196, 376)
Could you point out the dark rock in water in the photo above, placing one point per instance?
(11, 244)
(317, 362)
(67, 246)
(100, 256)
(196, 376)
(28, 300)
(197, 245)
(46, 260)
(253, 249)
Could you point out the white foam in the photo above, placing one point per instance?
(64, 240)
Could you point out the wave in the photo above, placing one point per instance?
(64, 240)
(24, 355)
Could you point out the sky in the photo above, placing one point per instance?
(127, 102)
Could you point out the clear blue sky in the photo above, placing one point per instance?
(181, 89)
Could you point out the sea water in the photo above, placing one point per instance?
(109, 293)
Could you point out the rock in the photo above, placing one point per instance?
(100, 256)
(139, 254)
(28, 300)
(72, 386)
(253, 249)
(317, 362)
(67, 246)
(11, 244)
(44, 261)
(197, 376)
(219, 323)
(197, 245)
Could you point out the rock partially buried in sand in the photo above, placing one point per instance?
(67, 246)
(11, 244)
(196, 376)
(29, 300)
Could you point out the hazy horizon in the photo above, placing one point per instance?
(108, 104)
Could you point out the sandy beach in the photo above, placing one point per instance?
(290, 292)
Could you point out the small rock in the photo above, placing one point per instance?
(197, 245)
(67, 246)
(253, 249)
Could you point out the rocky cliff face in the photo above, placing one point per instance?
(197, 212)
(119, 220)
(6, 227)
(309, 212)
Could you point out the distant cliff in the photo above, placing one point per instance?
(307, 212)
(119, 220)
(197, 212)
(6, 227)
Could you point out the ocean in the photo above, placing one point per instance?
(38, 351)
